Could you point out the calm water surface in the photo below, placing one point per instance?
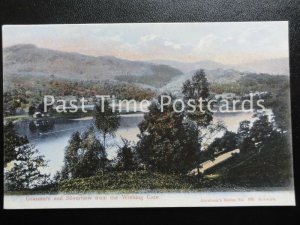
(52, 144)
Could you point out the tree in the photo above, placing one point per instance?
(193, 90)
(125, 157)
(94, 156)
(13, 100)
(25, 173)
(84, 156)
(261, 131)
(206, 135)
(281, 109)
(245, 142)
(223, 144)
(31, 110)
(106, 121)
(244, 130)
(270, 161)
(166, 143)
(72, 156)
(11, 142)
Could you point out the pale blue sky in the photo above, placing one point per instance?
(229, 43)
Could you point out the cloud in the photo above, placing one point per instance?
(172, 45)
(206, 44)
(149, 37)
(153, 46)
(228, 43)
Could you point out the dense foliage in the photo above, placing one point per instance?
(170, 144)
(267, 159)
(106, 120)
(29, 92)
(193, 90)
(11, 142)
(251, 83)
(166, 143)
(85, 156)
(129, 181)
(25, 172)
(126, 159)
(221, 145)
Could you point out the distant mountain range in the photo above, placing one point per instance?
(29, 60)
(213, 76)
(190, 66)
(278, 66)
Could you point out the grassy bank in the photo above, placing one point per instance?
(124, 182)
(143, 182)
(127, 182)
(131, 182)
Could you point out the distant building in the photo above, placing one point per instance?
(40, 115)
(37, 115)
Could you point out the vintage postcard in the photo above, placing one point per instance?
(147, 115)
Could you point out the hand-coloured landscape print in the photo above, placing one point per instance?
(147, 115)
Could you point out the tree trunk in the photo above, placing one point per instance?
(102, 162)
(104, 139)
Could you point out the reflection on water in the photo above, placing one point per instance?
(232, 120)
(53, 142)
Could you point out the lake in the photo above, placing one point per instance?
(52, 144)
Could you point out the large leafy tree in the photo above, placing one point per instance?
(12, 100)
(268, 159)
(193, 90)
(84, 156)
(11, 142)
(71, 160)
(245, 141)
(166, 143)
(94, 156)
(126, 159)
(244, 130)
(26, 170)
(281, 109)
(261, 131)
(106, 121)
